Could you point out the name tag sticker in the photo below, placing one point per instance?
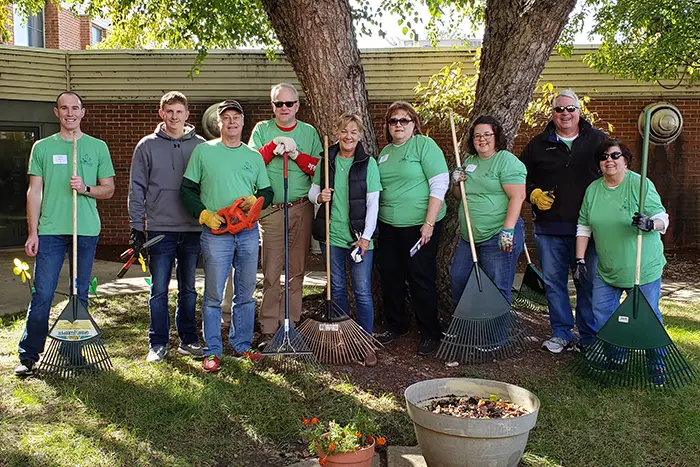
(470, 168)
(60, 159)
(383, 159)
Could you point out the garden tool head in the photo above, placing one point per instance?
(531, 295)
(237, 219)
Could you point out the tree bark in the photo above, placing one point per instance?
(518, 40)
(319, 41)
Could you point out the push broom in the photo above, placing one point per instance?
(334, 336)
(483, 325)
(76, 340)
(531, 295)
(632, 348)
(287, 350)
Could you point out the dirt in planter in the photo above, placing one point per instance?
(476, 407)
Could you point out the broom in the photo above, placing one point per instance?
(632, 348)
(483, 325)
(287, 350)
(334, 337)
(531, 295)
(76, 342)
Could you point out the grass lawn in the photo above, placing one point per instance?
(174, 414)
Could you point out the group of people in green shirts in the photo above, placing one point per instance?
(584, 223)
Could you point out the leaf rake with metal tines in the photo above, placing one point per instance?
(484, 326)
(76, 343)
(531, 295)
(632, 348)
(334, 337)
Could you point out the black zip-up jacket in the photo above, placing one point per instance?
(551, 165)
(357, 192)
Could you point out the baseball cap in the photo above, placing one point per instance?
(229, 105)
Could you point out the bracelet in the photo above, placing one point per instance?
(430, 224)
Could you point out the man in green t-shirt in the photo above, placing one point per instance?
(49, 199)
(220, 172)
(300, 141)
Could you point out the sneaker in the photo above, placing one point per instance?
(657, 375)
(558, 345)
(264, 340)
(193, 350)
(25, 368)
(580, 348)
(157, 354)
(211, 364)
(387, 337)
(370, 359)
(250, 354)
(428, 346)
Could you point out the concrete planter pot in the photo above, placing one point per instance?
(447, 441)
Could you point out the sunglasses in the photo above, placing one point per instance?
(569, 108)
(279, 104)
(613, 155)
(399, 121)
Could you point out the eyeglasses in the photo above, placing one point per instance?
(569, 108)
(613, 155)
(399, 121)
(279, 104)
(484, 136)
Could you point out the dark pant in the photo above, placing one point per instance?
(396, 266)
(47, 268)
(179, 249)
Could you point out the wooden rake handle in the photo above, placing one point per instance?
(327, 207)
(461, 189)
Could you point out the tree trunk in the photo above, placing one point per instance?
(518, 40)
(319, 42)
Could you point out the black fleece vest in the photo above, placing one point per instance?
(357, 192)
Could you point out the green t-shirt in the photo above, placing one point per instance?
(568, 141)
(608, 212)
(307, 141)
(52, 159)
(225, 174)
(404, 171)
(488, 201)
(340, 209)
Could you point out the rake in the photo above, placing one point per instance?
(287, 350)
(531, 295)
(333, 336)
(76, 340)
(632, 348)
(484, 326)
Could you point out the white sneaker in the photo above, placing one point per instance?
(558, 345)
(157, 354)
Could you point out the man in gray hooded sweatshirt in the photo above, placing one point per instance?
(159, 161)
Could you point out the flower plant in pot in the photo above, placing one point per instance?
(349, 445)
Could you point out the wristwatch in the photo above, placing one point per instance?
(87, 189)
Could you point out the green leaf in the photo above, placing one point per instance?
(92, 288)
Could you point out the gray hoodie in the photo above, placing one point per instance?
(156, 175)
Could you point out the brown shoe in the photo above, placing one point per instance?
(370, 358)
(264, 340)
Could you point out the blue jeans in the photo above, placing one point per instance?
(220, 252)
(606, 299)
(360, 275)
(182, 250)
(558, 257)
(499, 266)
(47, 268)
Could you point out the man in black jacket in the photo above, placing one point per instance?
(560, 166)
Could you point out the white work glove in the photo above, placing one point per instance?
(459, 175)
(289, 144)
(279, 149)
(293, 154)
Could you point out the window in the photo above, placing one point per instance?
(30, 32)
(97, 34)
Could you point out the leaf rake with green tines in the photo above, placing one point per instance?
(531, 295)
(632, 348)
(484, 326)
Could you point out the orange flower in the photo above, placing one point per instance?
(314, 420)
(307, 421)
(381, 441)
(322, 462)
(358, 434)
(331, 447)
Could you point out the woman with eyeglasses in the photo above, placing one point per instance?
(494, 182)
(415, 179)
(354, 196)
(609, 214)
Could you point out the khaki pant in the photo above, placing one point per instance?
(272, 226)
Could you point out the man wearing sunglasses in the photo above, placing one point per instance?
(283, 136)
(560, 165)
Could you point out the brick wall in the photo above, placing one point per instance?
(62, 29)
(85, 32)
(675, 169)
